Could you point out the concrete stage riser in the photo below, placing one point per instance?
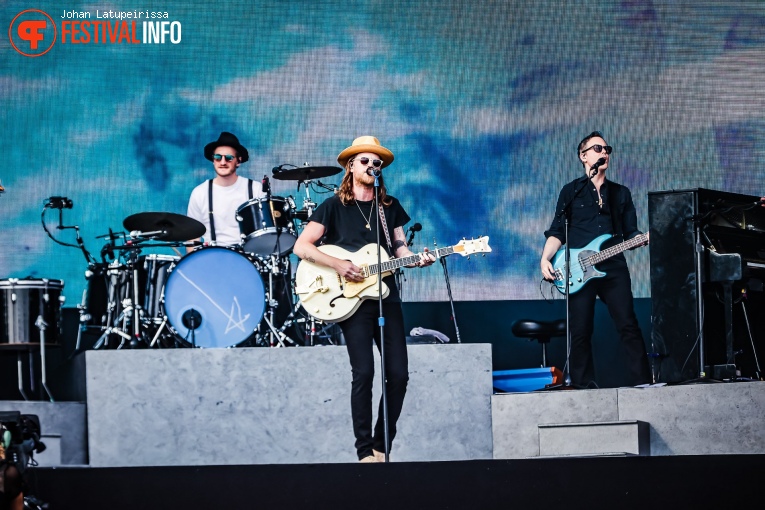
(274, 406)
(698, 419)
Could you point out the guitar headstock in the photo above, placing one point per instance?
(470, 246)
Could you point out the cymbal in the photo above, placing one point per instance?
(177, 227)
(305, 173)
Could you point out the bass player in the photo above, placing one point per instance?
(601, 207)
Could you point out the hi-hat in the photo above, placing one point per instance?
(305, 173)
(165, 226)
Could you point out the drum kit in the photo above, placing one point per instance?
(214, 296)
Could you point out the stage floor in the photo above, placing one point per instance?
(722, 481)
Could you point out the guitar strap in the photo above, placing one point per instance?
(385, 229)
(616, 218)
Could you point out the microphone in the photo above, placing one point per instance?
(597, 165)
(264, 185)
(58, 203)
(414, 228)
(375, 172)
(140, 234)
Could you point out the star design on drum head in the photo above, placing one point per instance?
(232, 323)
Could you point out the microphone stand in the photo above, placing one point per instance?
(451, 300)
(566, 213)
(381, 319)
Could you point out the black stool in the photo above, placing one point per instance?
(540, 331)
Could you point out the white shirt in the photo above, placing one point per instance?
(226, 201)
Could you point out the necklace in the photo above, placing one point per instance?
(371, 210)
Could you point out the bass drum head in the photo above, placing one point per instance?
(218, 294)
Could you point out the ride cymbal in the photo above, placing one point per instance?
(305, 173)
(165, 226)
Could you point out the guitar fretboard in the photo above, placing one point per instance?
(615, 250)
(392, 264)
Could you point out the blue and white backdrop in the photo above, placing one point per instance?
(482, 103)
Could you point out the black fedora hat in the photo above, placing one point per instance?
(228, 140)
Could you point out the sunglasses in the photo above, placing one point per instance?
(375, 162)
(598, 148)
(229, 157)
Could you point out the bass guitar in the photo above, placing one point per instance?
(583, 261)
(331, 298)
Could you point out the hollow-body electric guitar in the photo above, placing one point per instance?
(330, 297)
(583, 261)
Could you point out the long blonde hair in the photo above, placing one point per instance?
(345, 192)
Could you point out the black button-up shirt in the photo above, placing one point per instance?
(588, 220)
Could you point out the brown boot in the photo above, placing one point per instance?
(369, 458)
(379, 456)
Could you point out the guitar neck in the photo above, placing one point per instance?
(615, 250)
(392, 264)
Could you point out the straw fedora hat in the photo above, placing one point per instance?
(366, 144)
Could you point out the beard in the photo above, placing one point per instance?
(364, 179)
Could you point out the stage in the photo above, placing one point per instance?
(715, 481)
(184, 428)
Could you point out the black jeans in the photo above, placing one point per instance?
(615, 291)
(359, 330)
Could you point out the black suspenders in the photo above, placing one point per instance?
(210, 204)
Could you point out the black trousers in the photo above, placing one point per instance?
(615, 291)
(359, 330)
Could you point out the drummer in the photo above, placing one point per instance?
(214, 202)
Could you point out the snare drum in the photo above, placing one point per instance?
(215, 293)
(22, 304)
(266, 226)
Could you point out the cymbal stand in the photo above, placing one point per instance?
(137, 309)
(113, 277)
(272, 303)
(274, 335)
(308, 204)
(312, 334)
(125, 318)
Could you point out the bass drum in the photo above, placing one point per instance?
(214, 297)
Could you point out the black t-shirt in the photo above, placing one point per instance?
(345, 226)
